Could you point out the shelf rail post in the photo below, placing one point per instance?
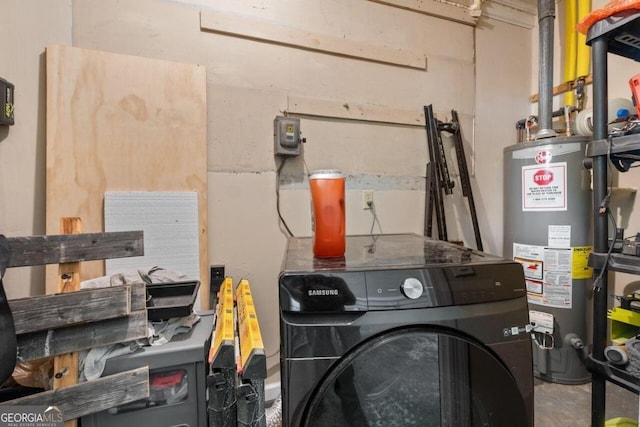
(599, 48)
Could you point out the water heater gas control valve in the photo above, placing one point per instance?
(412, 288)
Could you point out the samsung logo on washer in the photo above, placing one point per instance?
(322, 292)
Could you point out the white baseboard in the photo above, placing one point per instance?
(271, 392)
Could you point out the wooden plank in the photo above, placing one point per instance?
(65, 366)
(564, 87)
(39, 250)
(122, 123)
(438, 9)
(353, 111)
(53, 342)
(266, 31)
(69, 272)
(513, 12)
(92, 396)
(138, 296)
(45, 312)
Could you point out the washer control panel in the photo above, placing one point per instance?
(392, 289)
(412, 288)
(444, 286)
(403, 288)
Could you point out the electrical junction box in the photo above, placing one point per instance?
(6, 98)
(286, 136)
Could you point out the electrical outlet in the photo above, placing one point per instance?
(367, 199)
(216, 277)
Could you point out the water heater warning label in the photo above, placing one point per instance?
(580, 265)
(544, 187)
(547, 273)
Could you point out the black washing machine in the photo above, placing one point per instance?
(404, 330)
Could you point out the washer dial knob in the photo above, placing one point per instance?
(412, 288)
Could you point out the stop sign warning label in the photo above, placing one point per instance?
(544, 187)
(543, 177)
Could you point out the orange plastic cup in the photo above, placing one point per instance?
(328, 219)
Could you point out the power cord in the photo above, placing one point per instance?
(282, 221)
(602, 210)
(372, 205)
(306, 168)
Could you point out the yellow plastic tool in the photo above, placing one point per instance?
(222, 351)
(621, 422)
(253, 363)
(625, 324)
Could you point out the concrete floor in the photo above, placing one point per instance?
(556, 405)
(570, 405)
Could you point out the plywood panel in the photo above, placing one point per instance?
(122, 123)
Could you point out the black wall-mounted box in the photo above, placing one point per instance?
(6, 98)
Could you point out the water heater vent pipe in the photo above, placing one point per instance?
(546, 17)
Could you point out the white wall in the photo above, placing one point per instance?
(26, 27)
(484, 73)
(503, 77)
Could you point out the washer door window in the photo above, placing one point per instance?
(416, 377)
